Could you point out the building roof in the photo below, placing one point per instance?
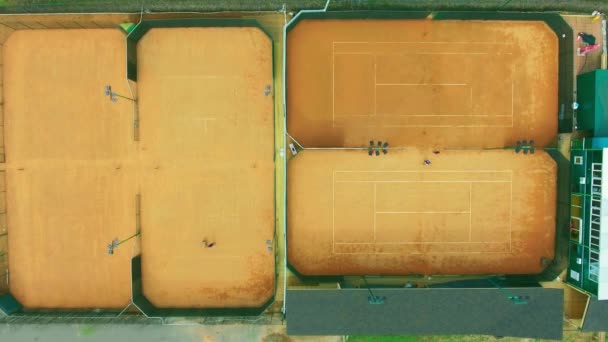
(593, 103)
(596, 316)
(426, 311)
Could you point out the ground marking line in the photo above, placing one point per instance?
(375, 212)
(333, 85)
(425, 253)
(354, 53)
(470, 210)
(512, 101)
(471, 101)
(432, 126)
(422, 53)
(446, 53)
(422, 242)
(406, 115)
(421, 84)
(333, 213)
(206, 120)
(194, 77)
(421, 42)
(444, 126)
(418, 181)
(414, 53)
(375, 85)
(511, 217)
(428, 171)
(422, 212)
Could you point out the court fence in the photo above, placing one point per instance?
(140, 310)
(9, 304)
(11, 23)
(84, 6)
(560, 27)
(565, 37)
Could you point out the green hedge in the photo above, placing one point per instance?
(42, 6)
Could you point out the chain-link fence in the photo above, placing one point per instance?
(133, 6)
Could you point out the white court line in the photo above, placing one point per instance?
(424, 53)
(375, 104)
(423, 212)
(415, 171)
(383, 114)
(354, 53)
(334, 243)
(423, 253)
(446, 126)
(206, 121)
(424, 42)
(470, 210)
(511, 217)
(418, 253)
(434, 126)
(471, 101)
(333, 85)
(194, 77)
(393, 115)
(375, 86)
(375, 212)
(422, 242)
(357, 115)
(446, 53)
(512, 97)
(421, 84)
(418, 181)
(333, 213)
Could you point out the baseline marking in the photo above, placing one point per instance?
(423, 212)
(418, 253)
(418, 181)
(427, 171)
(426, 53)
(416, 243)
(421, 84)
(423, 42)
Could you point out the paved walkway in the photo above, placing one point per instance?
(151, 333)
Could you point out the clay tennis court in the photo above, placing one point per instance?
(469, 212)
(206, 154)
(69, 172)
(421, 82)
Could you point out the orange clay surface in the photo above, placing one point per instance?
(469, 212)
(203, 168)
(66, 199)
(206, 152)
(421, 82)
